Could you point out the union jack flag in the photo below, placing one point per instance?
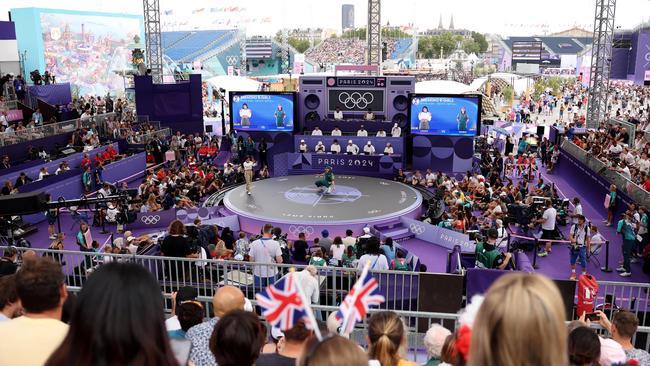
(364, 293)
(282, 305)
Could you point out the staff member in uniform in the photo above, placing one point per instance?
(335, 148)
(248, 173)
(548, 227)
(580, 245)
(487, 254)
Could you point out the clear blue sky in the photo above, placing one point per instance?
(505, 17)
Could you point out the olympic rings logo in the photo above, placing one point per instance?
(232, 60)
(150, 219)
(356, 99)
(416, 229)
(297, 229)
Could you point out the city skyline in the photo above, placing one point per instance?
(265, 18)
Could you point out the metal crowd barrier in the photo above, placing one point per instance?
(9, 104)
(163, 134)
(634, 191)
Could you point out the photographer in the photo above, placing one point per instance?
(487, 254)
(548, 227)
(580, 235)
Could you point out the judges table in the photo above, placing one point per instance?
(351, 126)
(370, 165)
(378, 142)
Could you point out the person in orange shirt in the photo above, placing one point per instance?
(85, 162)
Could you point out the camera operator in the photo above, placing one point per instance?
(580, 245)
(548, 227)
(487, 254)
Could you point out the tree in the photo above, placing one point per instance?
(301, 45)
(430, 46)
(470, 46)
(481, 41)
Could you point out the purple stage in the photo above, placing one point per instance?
(294, 204)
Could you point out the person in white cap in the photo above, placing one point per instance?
(317, 131)
(352, 148)
(368, 149)
(362, 132)
(388, 150)
(336, 131)
(320, 148)
(396, 131)
(303, 148)
(381, 133)
(335, 148)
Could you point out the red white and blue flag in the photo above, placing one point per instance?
(282, 305)
(355, 306)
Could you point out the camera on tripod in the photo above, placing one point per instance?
(36, 77)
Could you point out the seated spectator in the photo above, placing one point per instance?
(317, 259)
(361, 132)
(22, 180)
(10, 306)
(290, 347)
(8, 264)
(399, 263)
(185, 293)
(31, 338)
(189, 313)
(369, 116)
(225, 300)
(336, 132)
(120, 305)
(332, 351)
(499, 338)
(349, 259)
(417, 179)
(386, 336)
(584, 347)
(381, 133)
(338, 114)
(622, 328)
(434, 340)
(237, 339)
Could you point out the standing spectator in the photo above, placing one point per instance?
(326, 241)
(262, 148)
(626, 227)
(19, 87)
(308, 280)
(337, 249)
(611, 205)
(237, 339)
(264, 252)
(300, 248)
(622, 328)
(548, 228)
(386, 335)
(185, 293)
(31, 338)
(434, 339)
(8, 264)
(374, 255)
(349, 239)
(290, 347)
(389, 249)
(499, 338)
(10, 306)
(225, 300)
(242, 247)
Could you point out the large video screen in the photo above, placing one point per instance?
(86, 50)
(262, 111)
(526, 51)
(453, 115)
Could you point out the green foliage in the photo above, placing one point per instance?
(508, 94)
(479, 39)
(470, 46)
(301, 45)
(429, 46)
(359, 33)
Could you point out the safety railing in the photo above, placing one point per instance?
(400, 288)
(634, 191)
(144, 138)
(8, 104)
(37, 132)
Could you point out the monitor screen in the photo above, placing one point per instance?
(262, 111)
(452, 115)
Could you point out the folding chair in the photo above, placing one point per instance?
(593, 253)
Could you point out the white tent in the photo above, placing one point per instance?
(234, 83)
(442, 87)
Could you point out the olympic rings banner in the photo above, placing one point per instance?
(149, 220)
(357, 100)
(436, 235)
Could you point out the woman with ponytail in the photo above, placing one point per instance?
(387, 338)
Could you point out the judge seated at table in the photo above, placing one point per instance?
(388, 150)
(336, 131)
(317, 132)
(381, 133)
(396, 131)
(303, 148)
(335, 148)
(368, 149)
(352, 148)
(369, 116)
(362, 132)
(320, 148)
(338, 115)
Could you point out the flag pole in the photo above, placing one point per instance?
(347, 317)
(307, 303)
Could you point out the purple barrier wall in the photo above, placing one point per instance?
(435, 235)
(69, 188)
(126, 167)
(177, 106)
(7, 30)
(18, 152)
(642, 56)
(370, 165)
(480, 279)
(161, 219)
(574, 171)
(32, 169)
(450, 154)
(53, 94)
(378, 142)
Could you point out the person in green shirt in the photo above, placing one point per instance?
(487, 254)
(462, 119)
(326, 184)
(349, 257)
(280, 115)
(626, 227)
(317, 259)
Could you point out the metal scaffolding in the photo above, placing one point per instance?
(242, 52)
(601, 59)
(374, 32)
(153, 39)
(284, 51)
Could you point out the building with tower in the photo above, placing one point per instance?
(347, 17)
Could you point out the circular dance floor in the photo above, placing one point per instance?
(295, 201)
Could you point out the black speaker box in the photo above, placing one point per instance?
(23, 203)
